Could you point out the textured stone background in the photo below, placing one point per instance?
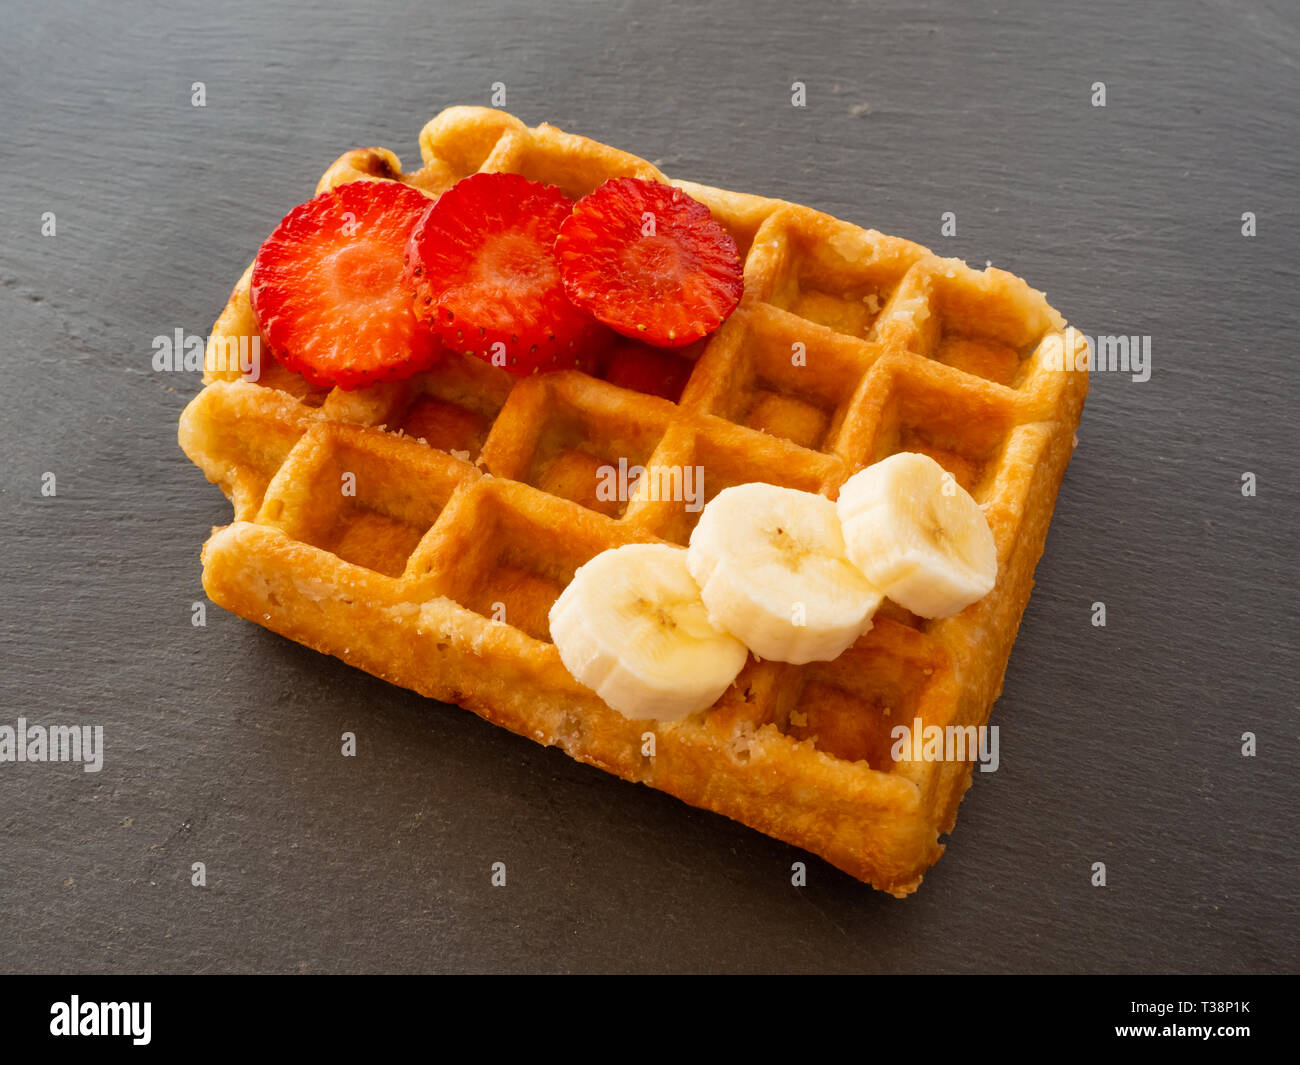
(1118, 744)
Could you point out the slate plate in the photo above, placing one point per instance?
(1119, 744)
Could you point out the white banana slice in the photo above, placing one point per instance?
(918, 535)
(631, 626)
(772, 570)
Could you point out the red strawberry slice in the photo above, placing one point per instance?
(646, 369)
(484, 275)
(650, 262)
(328, 287)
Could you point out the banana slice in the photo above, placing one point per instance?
(772, 570)
(918, 535)
(631, 626)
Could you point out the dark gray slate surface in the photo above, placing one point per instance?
(1119, 745)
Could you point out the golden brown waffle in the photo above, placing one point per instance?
(475, 493)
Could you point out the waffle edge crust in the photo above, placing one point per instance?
(474, 502)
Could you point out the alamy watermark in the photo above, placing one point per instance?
(951, 743)
(1099, 354)
(55, 743)
(219, 354)
(130, 1019)
(679, 484)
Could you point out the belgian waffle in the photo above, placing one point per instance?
(475, 502)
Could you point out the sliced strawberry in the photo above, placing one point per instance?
(484, 275)
(328, 289)
(649, 262)
(646, 369)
